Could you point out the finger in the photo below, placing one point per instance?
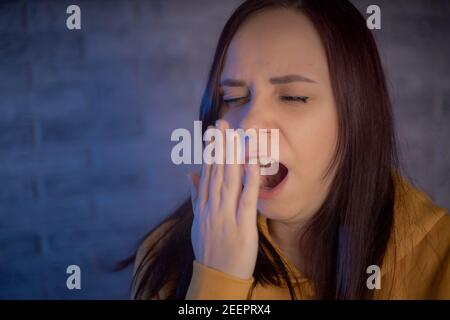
(204, 182)
(194, 181)
(232, 179)
(215, 183)
(249, 196)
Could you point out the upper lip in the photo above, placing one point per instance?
(259, 158)
(247, 158)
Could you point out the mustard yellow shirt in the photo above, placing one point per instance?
(416, 263)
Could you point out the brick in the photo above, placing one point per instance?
(52, 102)
(113, 16)
(20, 245)
(55, 74)
(157, 14)
(177, 41)
(92, 127)
(112, 72)
(17, 188)
(418, 151)
(116, 86)
(19, 280)
(14, 48)
(40, 278)
(47, 159)
(77, 241)
(111, 46)
(15, 134)
(160, 126)
(95, 284)
(28, 217)
(86, 183)
(158, 70)
(132, 209)
(48, 16)
(12, 16)
(14, 76)
(14, 106)
(413, 104)
(136, 153)
(55, 47)
(442, 151)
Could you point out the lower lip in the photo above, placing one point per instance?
(271, 193)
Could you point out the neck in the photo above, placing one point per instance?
(287, 236)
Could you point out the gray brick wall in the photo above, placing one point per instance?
(81, 112)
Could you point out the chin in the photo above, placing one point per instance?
(278, 197)
(274, 201)
(277, 209)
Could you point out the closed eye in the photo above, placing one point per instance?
(233, 100)
(295, 98)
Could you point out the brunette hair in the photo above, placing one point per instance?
(351, 229)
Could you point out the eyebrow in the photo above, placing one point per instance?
(290, 78)
(275, 80)
(232, 83)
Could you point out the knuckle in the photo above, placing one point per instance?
(228, 181)
(244, 203)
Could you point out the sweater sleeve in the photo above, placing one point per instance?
(442, 289)
(212, 284)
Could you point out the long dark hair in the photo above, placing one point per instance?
(351, 229)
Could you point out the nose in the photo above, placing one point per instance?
(255, 116)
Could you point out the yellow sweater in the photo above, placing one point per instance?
(416, 264)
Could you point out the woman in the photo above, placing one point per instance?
(338, 206)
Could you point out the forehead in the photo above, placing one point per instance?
(273, 43)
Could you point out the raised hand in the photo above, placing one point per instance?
(224, 231)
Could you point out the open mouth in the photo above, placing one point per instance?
(269, 182)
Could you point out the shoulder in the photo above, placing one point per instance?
(420, 244)
(149, 247)
(417, 218)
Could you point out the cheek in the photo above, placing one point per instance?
(315, 141)
(231, 116)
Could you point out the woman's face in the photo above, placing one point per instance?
(276, 77)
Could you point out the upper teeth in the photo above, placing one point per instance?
(266, 161)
